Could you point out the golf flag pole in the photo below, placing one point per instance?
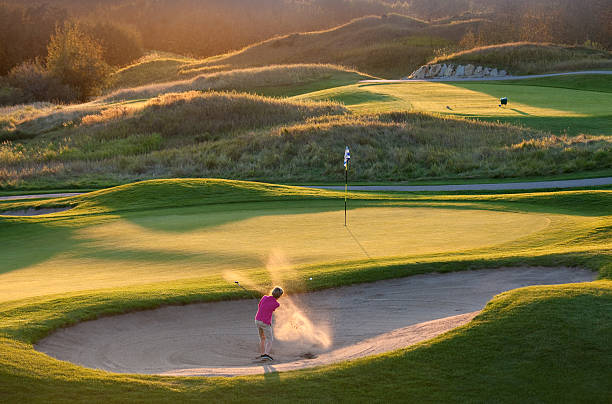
(347, 157)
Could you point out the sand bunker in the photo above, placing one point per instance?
(34, 211)
(219, 339)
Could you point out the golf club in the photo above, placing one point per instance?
(243, 288)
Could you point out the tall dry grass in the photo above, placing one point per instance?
(531, 58)
(239, 79)
(386, 147)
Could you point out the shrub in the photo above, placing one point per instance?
(76, 59)
(34, 83)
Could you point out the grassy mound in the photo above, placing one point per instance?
(390, 46)
(385, 147)
(285, 80)
(153, 68)
(532, 58)
(209, 114)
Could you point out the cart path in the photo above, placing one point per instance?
(532, 76)
(581, 183)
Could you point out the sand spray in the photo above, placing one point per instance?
(292, 323)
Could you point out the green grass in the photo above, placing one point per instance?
(581, 82)
(562, 329)
(543, 104)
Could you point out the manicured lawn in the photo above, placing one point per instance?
(170, 241)
(545, 104)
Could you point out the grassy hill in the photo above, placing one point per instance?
(192, 135)
(389, 46)
(532, 58)
(282, 80)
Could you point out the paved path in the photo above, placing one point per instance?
(590, 182)
(533, 76)
(583, 183)
(38, 196)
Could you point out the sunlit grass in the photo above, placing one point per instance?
(577, 110)
(532, 58)
(120, 236)
(194, 242)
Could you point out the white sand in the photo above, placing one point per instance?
(220, 339)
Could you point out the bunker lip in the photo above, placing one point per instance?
(220, 339)
(34, 211)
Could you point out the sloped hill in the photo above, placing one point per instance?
(386, 46)
(281, 80)
(532, 58)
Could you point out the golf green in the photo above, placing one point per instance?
(169, 244)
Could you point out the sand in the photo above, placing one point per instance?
(219, 339)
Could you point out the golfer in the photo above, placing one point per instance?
(263, 321)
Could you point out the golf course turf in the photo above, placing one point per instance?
(579, 104)
(142, 245)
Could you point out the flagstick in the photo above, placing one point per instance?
(345, 189)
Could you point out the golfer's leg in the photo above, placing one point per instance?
(262, 341)
(268, 340)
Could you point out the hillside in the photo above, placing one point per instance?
(188, 135)
(532, 58)
(387, 46)
(139, 80)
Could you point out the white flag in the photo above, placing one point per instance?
(347, 156)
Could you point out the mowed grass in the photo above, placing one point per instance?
(563, 329)
(542, 104)
(192, 242)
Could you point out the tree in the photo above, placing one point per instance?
(120, 44)
(77, 60)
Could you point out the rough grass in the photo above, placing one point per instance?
(385, 147)
(153, 68)
(253, 79)
(391, 46)
(532, 58)
(27, 121)
(563, 329)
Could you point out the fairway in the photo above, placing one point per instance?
(162, 245)
(539, 106)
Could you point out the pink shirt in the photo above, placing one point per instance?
(267, 305)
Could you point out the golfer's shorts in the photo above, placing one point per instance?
(266, 329)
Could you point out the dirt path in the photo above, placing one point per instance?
(219, 339)
(533, 76)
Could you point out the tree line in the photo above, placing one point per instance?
(120, 30)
